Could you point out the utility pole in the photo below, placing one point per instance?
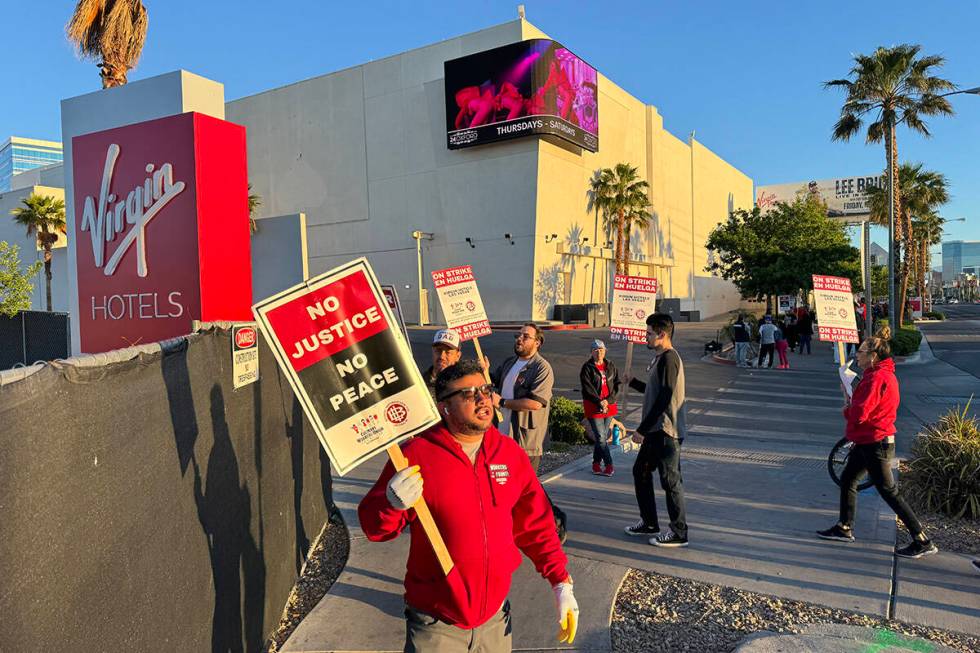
(419, 236)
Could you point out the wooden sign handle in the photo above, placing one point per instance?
(486, 373)
(629, 370)
(400, 462)
(840, 353)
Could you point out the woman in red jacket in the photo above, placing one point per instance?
(870, 416)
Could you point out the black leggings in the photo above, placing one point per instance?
(876, 459)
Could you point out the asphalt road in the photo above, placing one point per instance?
(957, 340)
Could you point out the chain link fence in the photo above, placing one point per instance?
(32, 336)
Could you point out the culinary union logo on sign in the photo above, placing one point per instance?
(107, 216)
(396, 413)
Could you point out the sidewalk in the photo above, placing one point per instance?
(757, 488)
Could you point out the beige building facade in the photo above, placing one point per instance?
(362, 152)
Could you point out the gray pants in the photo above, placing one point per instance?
(426, 634)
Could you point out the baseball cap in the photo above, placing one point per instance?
(598, 344)
(446, 337)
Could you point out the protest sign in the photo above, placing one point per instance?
(786, 303)
(391, 296)
(244, 355)
(463, 308)
(461, 303)
(634, 298)
(337, 343)
(835, 309)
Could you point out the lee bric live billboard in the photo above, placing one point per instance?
(532, 87)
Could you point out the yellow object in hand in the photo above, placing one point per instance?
(567, 612)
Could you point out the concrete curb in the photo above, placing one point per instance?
(836, 638)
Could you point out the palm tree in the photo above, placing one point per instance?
(112, 31)
(44, 216)
(921, 193)
(892, 86)
(254, 202)
(621, 196)
(928, 230)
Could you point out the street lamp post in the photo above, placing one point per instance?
(419, 236)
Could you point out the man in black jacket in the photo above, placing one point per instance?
(662, 430)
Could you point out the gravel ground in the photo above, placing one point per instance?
(560, 454)
(327, 557)
(660, 613)
(949, 533)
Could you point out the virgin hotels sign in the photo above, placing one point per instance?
(161, 229)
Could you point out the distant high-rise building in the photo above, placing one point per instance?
(959, 256)
(19, 154)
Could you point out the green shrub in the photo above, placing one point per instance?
(565, 421)
(906, 341)
(934, 315)
(945, 464)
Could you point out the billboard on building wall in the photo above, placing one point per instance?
(532, 87)
(844, 196)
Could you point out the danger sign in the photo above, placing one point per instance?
(835, 309)
(461, 303)
(335, 338)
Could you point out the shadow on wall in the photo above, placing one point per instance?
(225, 504)
(548, 287)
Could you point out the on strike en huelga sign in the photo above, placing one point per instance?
(461, 303)
(338, 344)
(244, 355)
(634, 298)
(835, 309)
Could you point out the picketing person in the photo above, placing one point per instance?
(600, 385)
(741, 337)
(662, 429)
(782, 346)
(445, 352)
(767, 340)
(489, 507)
(804, 328)
(524, 384)
(870, 424)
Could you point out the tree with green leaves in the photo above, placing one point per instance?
(892, 86)
(778, 252)
(112, 32)
(622, 198)
(922, 193)
(44, 218)
(15, 283)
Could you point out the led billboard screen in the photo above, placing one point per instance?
(532, 87)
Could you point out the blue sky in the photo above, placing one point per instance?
(746, 76)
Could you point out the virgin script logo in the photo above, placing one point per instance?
(106, 220)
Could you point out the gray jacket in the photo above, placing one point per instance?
(536, 382)
(664, 396)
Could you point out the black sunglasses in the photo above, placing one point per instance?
(470, 393)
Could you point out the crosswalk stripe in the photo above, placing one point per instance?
(803, 389)
(803, 396)
(760, 404)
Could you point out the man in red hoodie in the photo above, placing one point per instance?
(870, 416)
(489, 507)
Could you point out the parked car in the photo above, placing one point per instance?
(954, 301)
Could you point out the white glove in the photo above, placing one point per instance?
(567, 612)
(405, 488)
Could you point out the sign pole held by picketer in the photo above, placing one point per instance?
(338, 344)
(461, 305)
(400, 462)
(634, 299)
